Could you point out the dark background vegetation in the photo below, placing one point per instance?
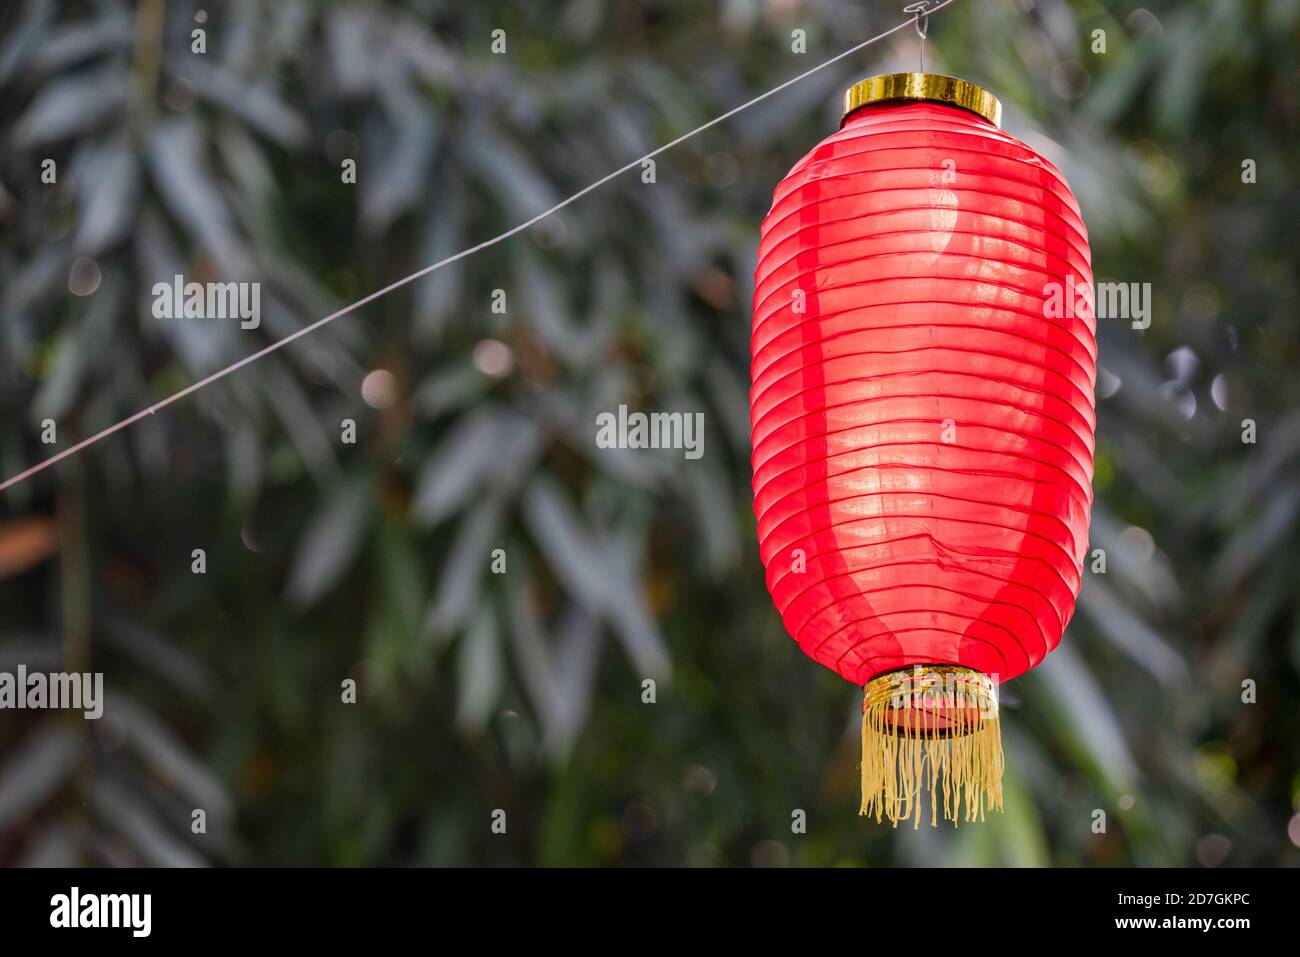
(523, 691)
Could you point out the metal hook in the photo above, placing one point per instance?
(921, 9)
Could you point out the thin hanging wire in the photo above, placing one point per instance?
(486, 244)
(921, 18)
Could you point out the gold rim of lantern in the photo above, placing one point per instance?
(927, 87)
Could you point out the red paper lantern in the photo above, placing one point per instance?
(924, 357)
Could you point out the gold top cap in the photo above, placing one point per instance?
(929, 87)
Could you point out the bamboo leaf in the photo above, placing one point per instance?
(330, 543)
(34, 771)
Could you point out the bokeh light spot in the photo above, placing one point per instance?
(379, 389)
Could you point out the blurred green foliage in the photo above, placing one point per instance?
(524, 691)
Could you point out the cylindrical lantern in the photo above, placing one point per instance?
(923, 363)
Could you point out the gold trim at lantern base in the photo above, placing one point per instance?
(926, 87)
(932, 728)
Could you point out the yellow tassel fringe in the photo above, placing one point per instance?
(934, 727)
